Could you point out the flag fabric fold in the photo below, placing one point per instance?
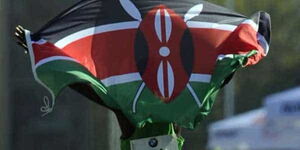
(153, 60)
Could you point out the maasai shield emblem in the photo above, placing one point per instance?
(164, 72)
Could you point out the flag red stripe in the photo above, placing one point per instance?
(112, 53)
(206, 42)
(243, 40)
(45, 50)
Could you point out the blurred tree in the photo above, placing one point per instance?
(76, 123)
(278, 71)
(280, 68)
(4, 125)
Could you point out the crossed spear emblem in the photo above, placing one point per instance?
(163, 33)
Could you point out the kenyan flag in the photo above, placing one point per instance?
(157, 61)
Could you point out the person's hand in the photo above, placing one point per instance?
(20, 35)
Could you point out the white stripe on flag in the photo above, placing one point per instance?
(263, 43)
(53, 58)
(131, 77)
(47, 108)
(218, 26)
(251, 23)
(136, 98)
(205, 78)
(96, 30)
(39, 42)
(194, 95)
(209, 25)
(120, 79)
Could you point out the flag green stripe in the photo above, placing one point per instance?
(151, 109)
(58, 74)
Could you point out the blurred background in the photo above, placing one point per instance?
(79, 124)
